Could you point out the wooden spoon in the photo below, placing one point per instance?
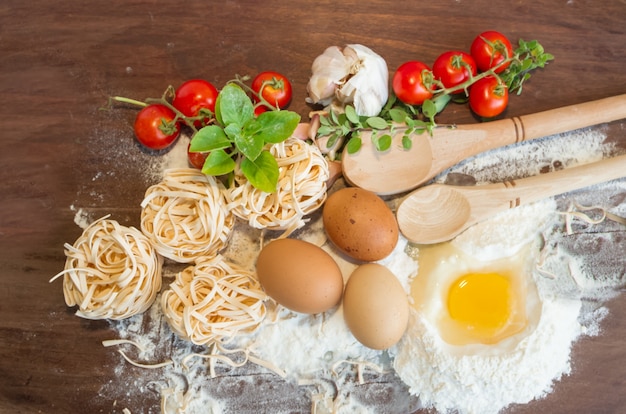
(439, 212)
(397, 170)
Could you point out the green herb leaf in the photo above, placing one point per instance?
(209, 138)
(353, 145)
(342, 119)
(262, 172)
(218, 162)
(276, 126)
(382, 143)
(407, 142)
(232, 131)
(377, 122)
(324, 120)
(332, 140)
(233, 106)
(248, 145)
(398, 115)
(440, 102)
(351, 114)
(324, 130)
(429, 109)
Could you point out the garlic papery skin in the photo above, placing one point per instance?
(353, 75)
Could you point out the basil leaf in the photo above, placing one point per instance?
(262, 172)
(248, 145)
(233, 106)
(209, 138)
(218, 163)
(275, 126)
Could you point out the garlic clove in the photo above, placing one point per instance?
(352, 75)
(329, 70)
(368, 89)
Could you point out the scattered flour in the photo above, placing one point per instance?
(570, 288)
(313, 350)
(454, 378)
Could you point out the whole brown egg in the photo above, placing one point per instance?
(360, 224)
(299, 275)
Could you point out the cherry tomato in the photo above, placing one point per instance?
(196, 159)
(411, 83)
(276, 88)
(488, 97)
(154, 127)
(258, 110)
(453, 68)
(489, 49)
(194, 95)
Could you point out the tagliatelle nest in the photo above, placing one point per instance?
(301, 189)
(111, 272)
(213, 301)
(185, 215)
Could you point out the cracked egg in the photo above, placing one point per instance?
(476, 304)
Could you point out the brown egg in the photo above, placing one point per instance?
(299, 275)
(360, 224)
(375, 306)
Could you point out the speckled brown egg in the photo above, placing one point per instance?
(375, 306)
(360, 224)
(299, 275)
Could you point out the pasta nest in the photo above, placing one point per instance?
(213, 301)
(301, 189)
(111, 272)
(185, 215)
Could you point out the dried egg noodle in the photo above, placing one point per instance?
(213, 300)
(111, 272)
(301, 189)
(185, 215)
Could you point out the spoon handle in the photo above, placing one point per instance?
(512, 193)
(542, 124)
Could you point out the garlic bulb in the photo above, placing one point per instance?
(353, 75)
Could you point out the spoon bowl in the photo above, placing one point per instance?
(439, 212)
(434, 220)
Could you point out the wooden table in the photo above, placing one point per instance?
(59, 64)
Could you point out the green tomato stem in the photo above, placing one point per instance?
(129, 101)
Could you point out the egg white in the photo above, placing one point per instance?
(441, 265)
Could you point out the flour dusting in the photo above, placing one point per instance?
(326, 370)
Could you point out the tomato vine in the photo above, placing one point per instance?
(344, 128)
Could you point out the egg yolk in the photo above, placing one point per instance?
(481, 304)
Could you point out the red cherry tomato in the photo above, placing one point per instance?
(411, 84)
(154, 127)
(276, 88)
(488, 97)
(194, 95)
(490, 49)
(453, 68)
(196, 159)
(258, 110)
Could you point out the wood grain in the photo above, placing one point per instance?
(59, 64)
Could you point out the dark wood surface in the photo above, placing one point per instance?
(60, 61)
